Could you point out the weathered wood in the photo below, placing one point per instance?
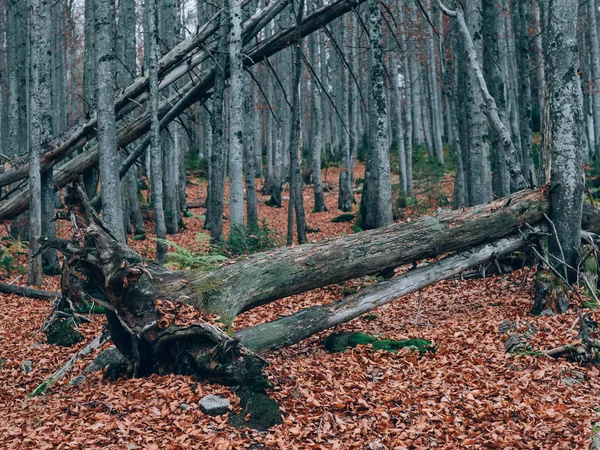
(24, 291)
(292, 329)
(127, 286)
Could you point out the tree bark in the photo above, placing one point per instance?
(156, 181)
(566, 126)
(109, 158)
(236, 130)
(129, 287)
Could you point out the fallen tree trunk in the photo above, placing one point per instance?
(131, 289)
(296, 327)
(28, 292)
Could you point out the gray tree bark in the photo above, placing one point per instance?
(566, 127)
(437, 120)
(90, 176)
(381, 193)
(17, 126)
(236, 130)
(40, 127)
(215, 224)
(479, 181)
(521, 30)
(109, 158)
(317, 113)
(168, 20)
(296, 197)
(492, 34)
(151, 48)
(345, 194)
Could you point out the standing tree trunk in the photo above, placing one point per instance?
(151, 50)
(521, 30)
(296, 198)
(249, 169)
(110, 161)
(215, 225)
(437, 125)
(41, 127)
(346, 197)
(236, 130)
(17, 126)
(379, 195)
(317, 113)
(491, 37)
(90, 176)
(566, 176)
(479, 181)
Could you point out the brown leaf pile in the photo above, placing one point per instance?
(469, 394)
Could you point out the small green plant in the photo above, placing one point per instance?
(9, 250)
(248, 240)
(194, 258)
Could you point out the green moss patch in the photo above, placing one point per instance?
(63, 332)
(346, 217)
(340, 342)
(260, 410)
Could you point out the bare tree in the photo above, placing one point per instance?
(151, 55)
(110, 161)
(236, 130)
(565, 103)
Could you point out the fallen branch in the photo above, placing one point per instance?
(28, 292)
(98, 342)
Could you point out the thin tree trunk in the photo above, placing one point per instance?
(296, 197)
(109, 159)
(379, 139)
(151, 47)
(521, 29)
(41, 127)
(236, 130)
(217, 150)
(317, 113)
(249, 170)
(346, 196)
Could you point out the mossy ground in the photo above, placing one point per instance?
(63, 332)
(340, 342)
(259, 411)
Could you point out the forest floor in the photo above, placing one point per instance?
(468, 394)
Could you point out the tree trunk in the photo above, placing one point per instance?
(41, 126)
(383, 192)
(345, 194)
(317, 114)
(156, 181)
(236, 129)
(216, 158)
(109, 158)
(296, 197)
(566, 126)
(249, 168)
(521, 30)
(129, 287)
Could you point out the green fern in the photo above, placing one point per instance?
(193, 259)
